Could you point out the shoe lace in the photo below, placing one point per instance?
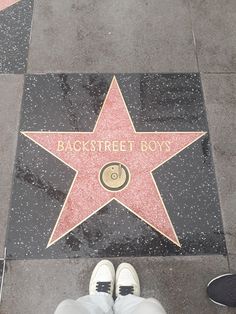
(125, 290)
(103, 286)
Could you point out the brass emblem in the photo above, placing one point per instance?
(114, 176)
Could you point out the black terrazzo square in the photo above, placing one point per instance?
(15, 27)
(187, 184)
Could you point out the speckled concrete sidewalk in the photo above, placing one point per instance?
(45, 45)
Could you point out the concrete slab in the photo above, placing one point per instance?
(1, 277)
(179, 283)
(111, 36)
(232, 263)
(11, 88)
(214, 23)
(220, 103)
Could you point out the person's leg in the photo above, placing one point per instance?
(90, 304)
(128, 294)
(131, 304)
(99, 300)
(71, 307)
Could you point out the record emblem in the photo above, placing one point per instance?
(114, 176)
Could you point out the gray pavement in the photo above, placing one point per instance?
(129, 36)
(214, 31)
(111, 36)
(179, 283)
(232, 259)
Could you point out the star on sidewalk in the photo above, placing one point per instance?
(113, 162)
(7, 3)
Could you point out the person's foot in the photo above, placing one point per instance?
(103, 278)
(222, 290)
(127, 281)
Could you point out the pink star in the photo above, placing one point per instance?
(7, 3)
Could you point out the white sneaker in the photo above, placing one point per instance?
(103, 278)
(127, 281)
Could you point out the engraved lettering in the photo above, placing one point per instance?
(60, 146)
